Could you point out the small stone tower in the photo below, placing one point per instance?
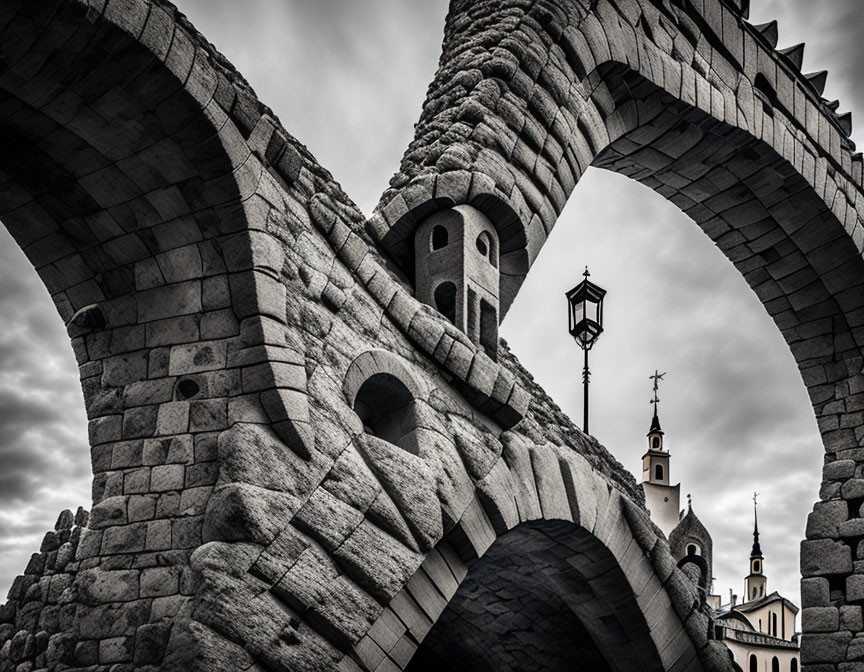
(456, 255)
(756, 580)
(661, 498)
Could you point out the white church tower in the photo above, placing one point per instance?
(756, 580)
(661, 498)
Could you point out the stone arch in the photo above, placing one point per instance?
(695, 103)
(543, 513)
(374, 362)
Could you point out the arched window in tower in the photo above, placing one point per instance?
(754, 666)
(386, 407)
(655, 442)
(692, 550)
(775, 664)
(486, 248)
(756, 566)
(793, 665)
(445, 300)
(658, 472)
(440, 237)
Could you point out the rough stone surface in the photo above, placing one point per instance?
(300, 463)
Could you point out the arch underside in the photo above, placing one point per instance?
(546, 596)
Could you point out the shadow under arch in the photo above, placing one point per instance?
(545, 594)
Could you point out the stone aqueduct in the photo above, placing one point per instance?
(235, 316)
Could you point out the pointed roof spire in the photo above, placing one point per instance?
(756, 551)
(655, 421)
(655, 424)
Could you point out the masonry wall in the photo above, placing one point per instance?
(226, 301)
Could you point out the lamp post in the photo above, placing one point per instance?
(585, 313)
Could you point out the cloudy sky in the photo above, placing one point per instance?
(348, 79)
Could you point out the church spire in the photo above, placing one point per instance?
(655, 433)
(756, 581)
(756, 552)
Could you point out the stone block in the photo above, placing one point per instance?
(169, 301)
(855, 587)
(160, 581)
(826, 516)
(167, 477)
(820, 619)
(197, 357)
(814, 592)
(821, 557)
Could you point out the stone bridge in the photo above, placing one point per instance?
(298, 463)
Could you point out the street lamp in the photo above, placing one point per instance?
(585, 311)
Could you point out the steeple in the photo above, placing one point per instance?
(661, 497)
(756, 580)
(756, 551)
(655, 433)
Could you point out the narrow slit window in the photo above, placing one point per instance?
(489, 329)
(440, 237)
(445, 300)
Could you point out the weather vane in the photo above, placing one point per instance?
(657, 377)
(755, 495)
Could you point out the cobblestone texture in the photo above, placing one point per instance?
(226, 302)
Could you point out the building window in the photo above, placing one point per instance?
(793, 666)
(754, 597)
(440, 237)
(386, 408)
(486, 248)
(658, 472)
(774, 624)
(655, 442)
(755, 565)
(692, 550)
(489, 329)
(445, 300)
(754, 666)
(775, 664)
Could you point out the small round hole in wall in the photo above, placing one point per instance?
(188, 388)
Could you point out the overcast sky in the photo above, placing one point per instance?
(348, 78)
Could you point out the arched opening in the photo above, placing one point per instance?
(757, 566)
(658, 472)
(774, 624)
(386, 407)
(754, 666)
(486, 247)
(775, 664)
(692, 549)
(793, 665)
(655, 442)
(554, 612)
(440, 237)
(445, 300)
